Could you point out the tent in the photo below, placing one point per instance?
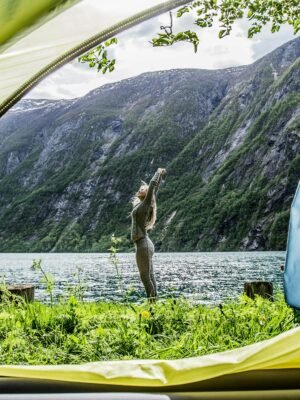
(292, 270)
(36, 38)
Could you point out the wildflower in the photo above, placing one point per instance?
(262, 321)
(145, 314)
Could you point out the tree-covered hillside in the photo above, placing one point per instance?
(230, 140)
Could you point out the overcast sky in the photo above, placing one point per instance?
(135, 55)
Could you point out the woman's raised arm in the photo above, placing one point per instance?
(153, 186)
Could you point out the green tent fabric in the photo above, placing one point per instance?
(19, 18)
(281, 352)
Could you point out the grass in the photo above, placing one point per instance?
(75, 332)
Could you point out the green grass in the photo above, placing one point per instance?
(75, 332)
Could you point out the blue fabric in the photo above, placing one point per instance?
(292, 262)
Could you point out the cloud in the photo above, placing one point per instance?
(265, 43)
(135, 55)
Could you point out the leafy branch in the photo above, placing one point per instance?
(258, 12)
(208, 14)
(98, 57)
(168, 38)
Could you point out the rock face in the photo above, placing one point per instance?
(230, 140)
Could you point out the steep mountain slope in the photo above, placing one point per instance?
(230, 140)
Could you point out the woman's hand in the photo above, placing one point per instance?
(162, 171)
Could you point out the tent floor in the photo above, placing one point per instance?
(263, 384)
(245, 395)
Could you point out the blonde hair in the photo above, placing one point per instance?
(152, 216)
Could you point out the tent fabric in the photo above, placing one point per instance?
(292, 264)
(280, 352)
(64, 37)
(19, 18)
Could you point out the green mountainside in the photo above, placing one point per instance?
(230, 140)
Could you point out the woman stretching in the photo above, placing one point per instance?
(143, 218)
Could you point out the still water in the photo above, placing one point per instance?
(203, 277)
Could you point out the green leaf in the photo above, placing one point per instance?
(222, 33)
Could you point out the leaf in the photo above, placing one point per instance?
(222, 33)
(250, 13)
(202, 23)
(182, 11)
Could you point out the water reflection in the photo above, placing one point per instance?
(203, 277)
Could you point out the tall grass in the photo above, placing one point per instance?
(72, 331)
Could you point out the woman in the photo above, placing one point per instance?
(143, 218)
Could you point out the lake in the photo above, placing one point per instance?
(207, 278)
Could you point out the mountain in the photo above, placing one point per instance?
(230, 141)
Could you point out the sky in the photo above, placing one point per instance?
(134, 55)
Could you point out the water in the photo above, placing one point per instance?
(208, 278)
